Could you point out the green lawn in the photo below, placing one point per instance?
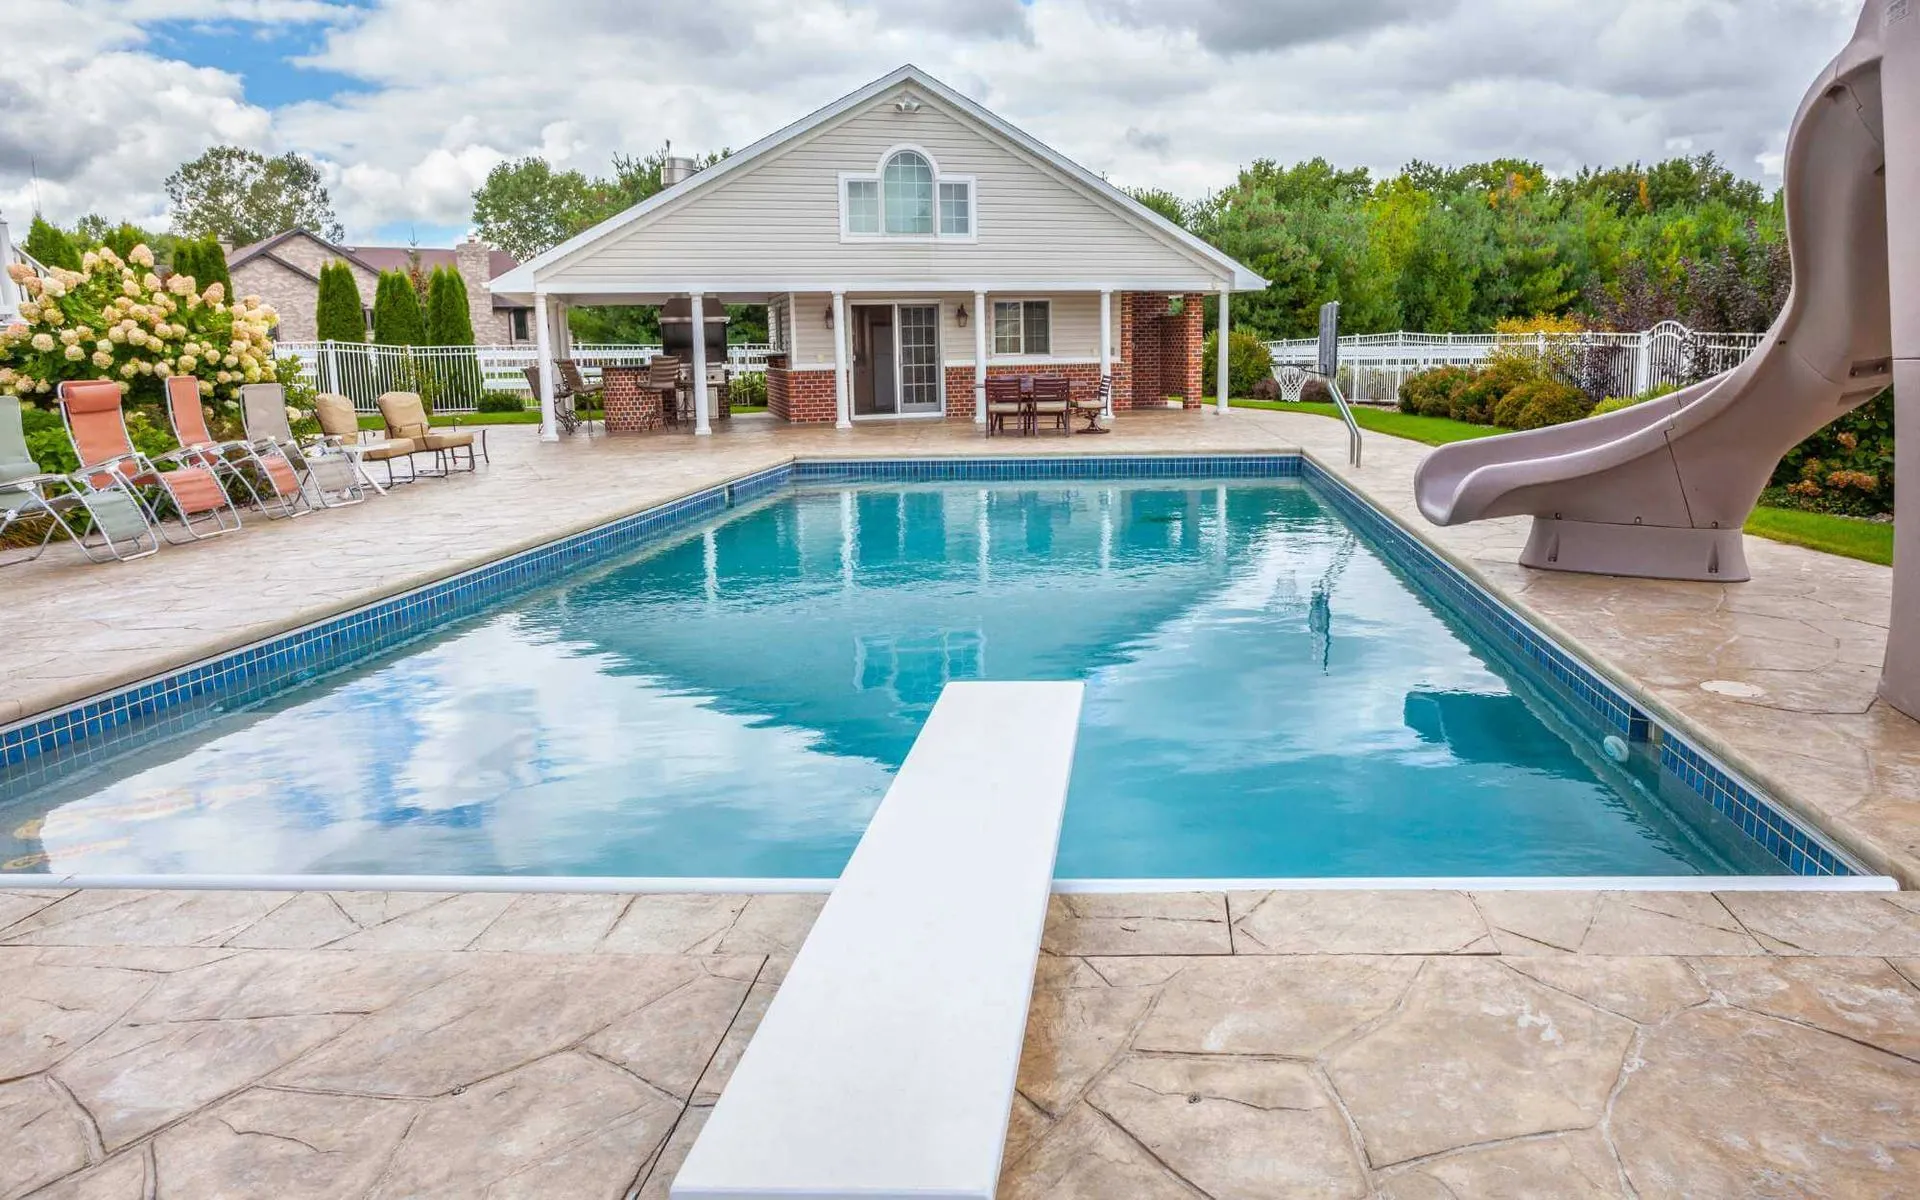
(1848, 537)
(1434, 431)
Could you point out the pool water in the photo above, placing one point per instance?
(1266, 696)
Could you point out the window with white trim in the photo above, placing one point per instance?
(1023, 327)
(906, 197)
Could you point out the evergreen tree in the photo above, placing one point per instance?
(53, 248)
(186, 261)
(340, 315)
(396, 312)
(210, 262)
(449, 322)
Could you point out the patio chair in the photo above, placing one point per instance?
(97, 426)
(1091, 403)
(578, 391)
(1052, 400)
(564, 414)
(263, 409)
(1003, 403)
(663, 379)
(406, 417)
(226, 459)
(115, 516)
(340, 448)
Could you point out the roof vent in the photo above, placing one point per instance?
(908, 104)
(674, 169)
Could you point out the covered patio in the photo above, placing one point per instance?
(849, 355)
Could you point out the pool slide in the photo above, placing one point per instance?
(1662, 489)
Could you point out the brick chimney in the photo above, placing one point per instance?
(472, 259)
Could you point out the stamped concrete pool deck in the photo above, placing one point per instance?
(158, 1045)
(210, 1045)
(1804, 639)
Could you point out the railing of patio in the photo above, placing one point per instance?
(453, 378)
(1374, 365)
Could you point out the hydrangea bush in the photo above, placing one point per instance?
(114, 319)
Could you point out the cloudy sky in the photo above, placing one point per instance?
(407, 103)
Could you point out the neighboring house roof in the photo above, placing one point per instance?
(521, 280)
(374, 259)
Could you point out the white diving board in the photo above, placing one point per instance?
(885, 1066)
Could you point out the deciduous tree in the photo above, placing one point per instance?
(241, 196)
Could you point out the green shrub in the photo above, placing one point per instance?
(1541, 403)
(1432, 393)
(1248, 362)
(1481, 401)
(1316, 391)
(747, 388)
(501, 402)
(1616, 403)
(48, 243)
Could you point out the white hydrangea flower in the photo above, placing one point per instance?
(29, 311)
(69, 336)
(118, 333)
(141, 256)
(20, 272)
(231, 360)
(105, 344)
(54, 288)
(89, 261)
(42, 342)
(215, 293)
(180, 285)
(75, 354)
(7, 375)
(129, 369)
(102, 359)
(295, 415)
(206, 389)
(125, 388)
(146, 367)
(187, 363)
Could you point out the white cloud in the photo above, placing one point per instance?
(1174, 96)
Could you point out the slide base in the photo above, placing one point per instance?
(1642, 551)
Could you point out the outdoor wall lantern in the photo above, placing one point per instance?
(960, 315)
(829, 314)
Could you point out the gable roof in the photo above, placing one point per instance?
(372, 259)
(268, 245)
(522, 279)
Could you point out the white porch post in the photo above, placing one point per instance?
(543, 349)
(702, 427)
(1106, 353)
(842, 402)
(981, 316)
(1220, 359)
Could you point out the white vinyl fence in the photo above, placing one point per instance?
(1374, 365)
(453, 378)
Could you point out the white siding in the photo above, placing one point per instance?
(776, 225)
(1076, 324)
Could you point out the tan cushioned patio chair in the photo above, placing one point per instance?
(339, 422)
(406, 418)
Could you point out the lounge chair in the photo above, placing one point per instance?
(98, 429)
(406, 418)
(1004, 403)
(226, 460)
(576, 390)
(340, 434)
(1052, 400)
(117, 524)
(263, 408)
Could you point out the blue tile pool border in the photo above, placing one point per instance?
(49, 743)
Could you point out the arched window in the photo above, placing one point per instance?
(906, 193)
(907, 197)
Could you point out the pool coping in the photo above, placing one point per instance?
(396, 615)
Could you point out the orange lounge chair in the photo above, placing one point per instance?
(272, 469)
(97, 427)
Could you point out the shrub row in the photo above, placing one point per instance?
(1510, 391)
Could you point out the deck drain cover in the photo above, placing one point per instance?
(1734, 688)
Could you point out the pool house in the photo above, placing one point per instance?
(908, 244)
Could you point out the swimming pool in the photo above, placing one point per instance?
(1270, 693)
